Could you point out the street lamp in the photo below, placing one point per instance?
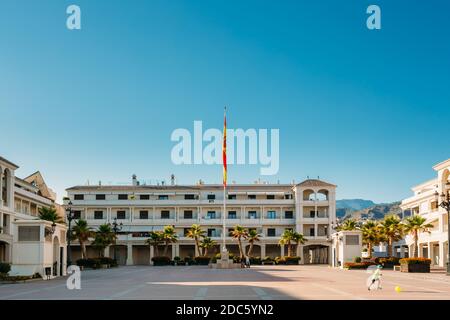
(70, 217)
(445, 203)
(116, 228)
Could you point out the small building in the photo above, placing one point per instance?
(346, 246)
(29, 244)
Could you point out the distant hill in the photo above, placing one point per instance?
(359, 208)
(346, 206)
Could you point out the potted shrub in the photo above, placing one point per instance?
(267, 260)
(5, 268)
(358, 265)
(357, 259)
(420, 265)
(176, 261)
(255, 260)
(202, 261)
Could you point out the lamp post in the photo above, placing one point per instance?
(445, 203)
(116, 228)
(70, 217)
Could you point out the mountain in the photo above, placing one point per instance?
(359, 208)
(345, 206)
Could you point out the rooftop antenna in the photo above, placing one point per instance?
(172, 179)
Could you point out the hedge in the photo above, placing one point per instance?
(358, 265)
(161, 261)
(202, 261)
(96, 263)
(415, 261)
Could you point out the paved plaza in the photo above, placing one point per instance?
(259, 282)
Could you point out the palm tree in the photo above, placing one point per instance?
(104, 237)
(414, 225)
(196, 232)
(253, 237)
(348, 225)
(290, 236)
(168, 236)
(371, 235)
(50, 214)
(155, 240)
(207, 243)
(239, 233)
(392, 229)
(82, 232)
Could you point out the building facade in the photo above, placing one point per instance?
(270, 209)
(424, 202)
(29, 244)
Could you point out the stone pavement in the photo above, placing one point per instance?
(259, 282)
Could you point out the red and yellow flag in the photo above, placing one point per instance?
(224, 148)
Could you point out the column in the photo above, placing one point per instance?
(1, 220)
(10, 190)
(129, 254)
(315, 229)
(151, 255)
(282, 251)
(402, 251)
(106, 252)
(430, 252)
(263, 250)
(442, 254)
(174, 250)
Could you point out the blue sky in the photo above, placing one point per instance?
(367, 110)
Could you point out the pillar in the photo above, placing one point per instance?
(174, 251)
(430, 252)
(300, 254)
(402, 251)
(282, 251)
(442, 254)
(106, 252)
(129, 254)
(263, 251)
(152, 253)
(10, 190)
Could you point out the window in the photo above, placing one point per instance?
(212, 233)
(271, 232)
(311, 232)
(78, 197)
(211, 197)
(230, 232)
(121, 215)
(31, 233)
(352, 240)
(100, 197)
(252, 215)
(211, 215)
(143, 214)
(270, 197)
(189, 197)
(312, 214)
(144, 197)
(77, 214)
(98, 215)
(271, 214)
(288, 196)
(186, 231)
(165, 214)
(252, 196)
(163, 197)
(188, 214)
(231, 197)
(289, 215)
(122, 197)
(232, 215)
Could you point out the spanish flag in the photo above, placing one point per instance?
(224, 148)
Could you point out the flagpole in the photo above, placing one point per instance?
(224, 248)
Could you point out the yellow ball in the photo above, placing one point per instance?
(398, 289)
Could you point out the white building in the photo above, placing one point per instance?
(424, 202)
(308, 207)
(29, 244)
